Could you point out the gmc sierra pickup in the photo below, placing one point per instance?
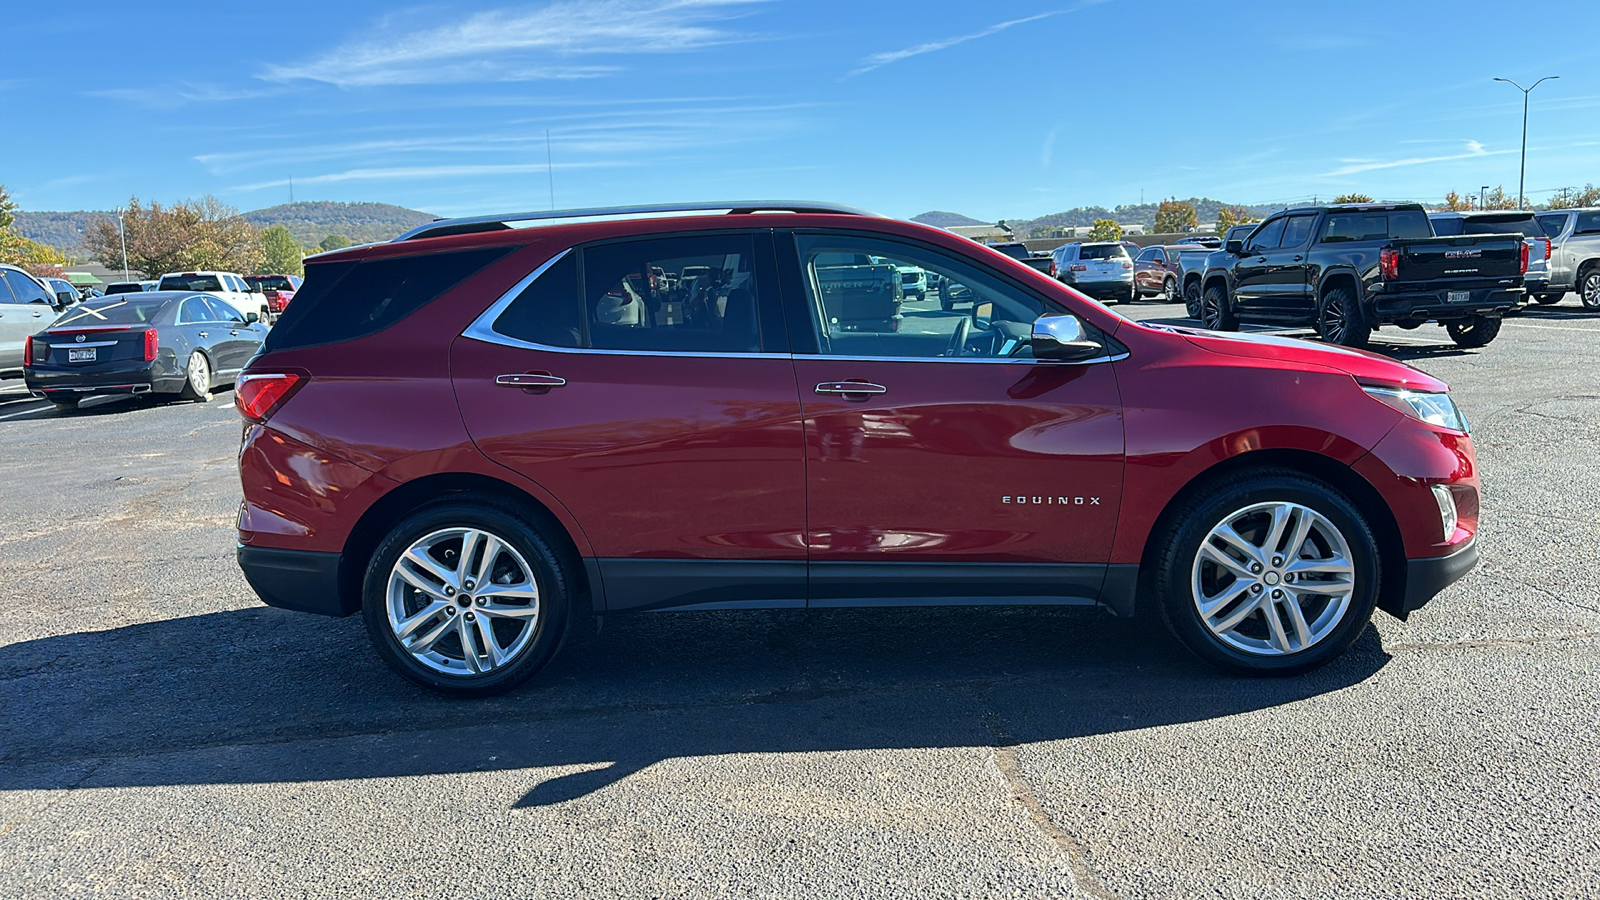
(1349, 268)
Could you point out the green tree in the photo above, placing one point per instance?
(1497, 199)
(1173, 217)
(1352, 198)
(1105, 230)
(1229, 216)
(280, 252)
(194, 234)
(18, 250)
(334, 242)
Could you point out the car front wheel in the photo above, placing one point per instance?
(1191, 299)
(1169, 291)
(466, 598)
(1215, 312)
(1269, 572)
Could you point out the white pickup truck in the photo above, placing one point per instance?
(226, 285)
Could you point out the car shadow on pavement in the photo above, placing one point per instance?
(261, 695)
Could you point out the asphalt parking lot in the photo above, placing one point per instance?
(165, 734)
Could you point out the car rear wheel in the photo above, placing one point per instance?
(197, 378)
(1589, 287)
(1548, 299)
(1339, 319)
(1268, 572)
(1191, 299)
(466, 598)
(1169, 291)
(1477, 331)
(1215, 312)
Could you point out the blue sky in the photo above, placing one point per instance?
(1009, 109)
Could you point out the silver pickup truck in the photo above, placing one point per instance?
(1574, 254)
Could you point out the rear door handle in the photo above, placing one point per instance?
(847, 388)
(529, 380)
(204, 334)
(233, 334)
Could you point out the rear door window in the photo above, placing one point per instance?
(1297, 232)
(1588, 223)
(348, 300)
(679, 294)
(1552, 224)
(193, 310)
(1399, 225)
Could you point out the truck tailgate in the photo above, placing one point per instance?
(1465, 257)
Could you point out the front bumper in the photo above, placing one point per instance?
(1425, 578)
(301, 580)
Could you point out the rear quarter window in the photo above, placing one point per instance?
(342, 301)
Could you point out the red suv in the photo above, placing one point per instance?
(476, 433)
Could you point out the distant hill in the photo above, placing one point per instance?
(946, 219)
(309, 222)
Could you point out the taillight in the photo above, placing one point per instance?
(1052, 268)
(1389, 263)
(1077, 268)
(1524, 257)
(257, 396)
(1548, 247)
(27, 351)
(149, 345)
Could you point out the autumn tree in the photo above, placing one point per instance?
(1497, 199)
(334, 242)
(1572, 198)
(194, 234)
(280, 252)
(1229, 216)
(1173, 216)
(1454, 202)
(40, 259)
(1352, 198)
(1105, 230)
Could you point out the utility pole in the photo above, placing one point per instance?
(122, 235)
(1522, 174)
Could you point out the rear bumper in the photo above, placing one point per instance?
(1100, 289)
(1432, 305)
(92, 380)
(1425, 578)
(301, 580)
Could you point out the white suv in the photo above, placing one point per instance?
(226, 285)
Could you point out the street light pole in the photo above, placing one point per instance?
(122, 235)
(1523, 173)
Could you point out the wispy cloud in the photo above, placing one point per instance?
(1474, 150)
(522, 45)
(879, 60)
(183, 93)
(414, 172)
(1047, 153)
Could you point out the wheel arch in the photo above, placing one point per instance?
(1346, 480)
(1339, 277)
(387, 511)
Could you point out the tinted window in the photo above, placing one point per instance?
(546, 312)
(1588, 223)
(1267, 237)
(1147, 255)
(26, 289)
(1524, 225)
(687, 294)
(123, 310)
(1446, 226)
(190, 283)
(1553, 224)
(194, 309)
(221, 311)
(5, 293)
(854, 315)
(1103, 251)
(269, 282)
(347, 300)
(1403, 224)
(1298, 231)
(124, 287)
(1015, 251)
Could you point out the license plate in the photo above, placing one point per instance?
(1457, 296)
(76, 355)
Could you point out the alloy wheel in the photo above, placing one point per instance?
(1333, 320)
(199, 375)
(1273, 579)
(463, 601)
(1590, 292)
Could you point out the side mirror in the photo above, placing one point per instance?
(252, 318)
(1061, 336)
(1235, 246)
(983, 315)
(65, 299)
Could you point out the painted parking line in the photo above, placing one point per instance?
(1550, 327)
(43, 405)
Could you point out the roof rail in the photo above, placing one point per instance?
(472, 224)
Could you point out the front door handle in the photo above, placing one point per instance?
(204, 334)
(531, 380)
(847, 388)
(1298, 258)
(233, 334)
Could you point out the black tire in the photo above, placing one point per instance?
(1169, 290)
(1216, 313)
(946, 302)
(1191, 299)
(197, 378)
(1477, 331)
(1589, 287)
(1171, 579)
(548, 572)
(1340, 320)
(1549, 299)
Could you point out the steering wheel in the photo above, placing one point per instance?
(958, 340)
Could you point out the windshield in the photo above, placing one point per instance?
(123, 310)
(1102, 251)
(190, 283)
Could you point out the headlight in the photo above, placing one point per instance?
(1435, 409)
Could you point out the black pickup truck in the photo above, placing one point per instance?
(1349, 268)
(1019, 251)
